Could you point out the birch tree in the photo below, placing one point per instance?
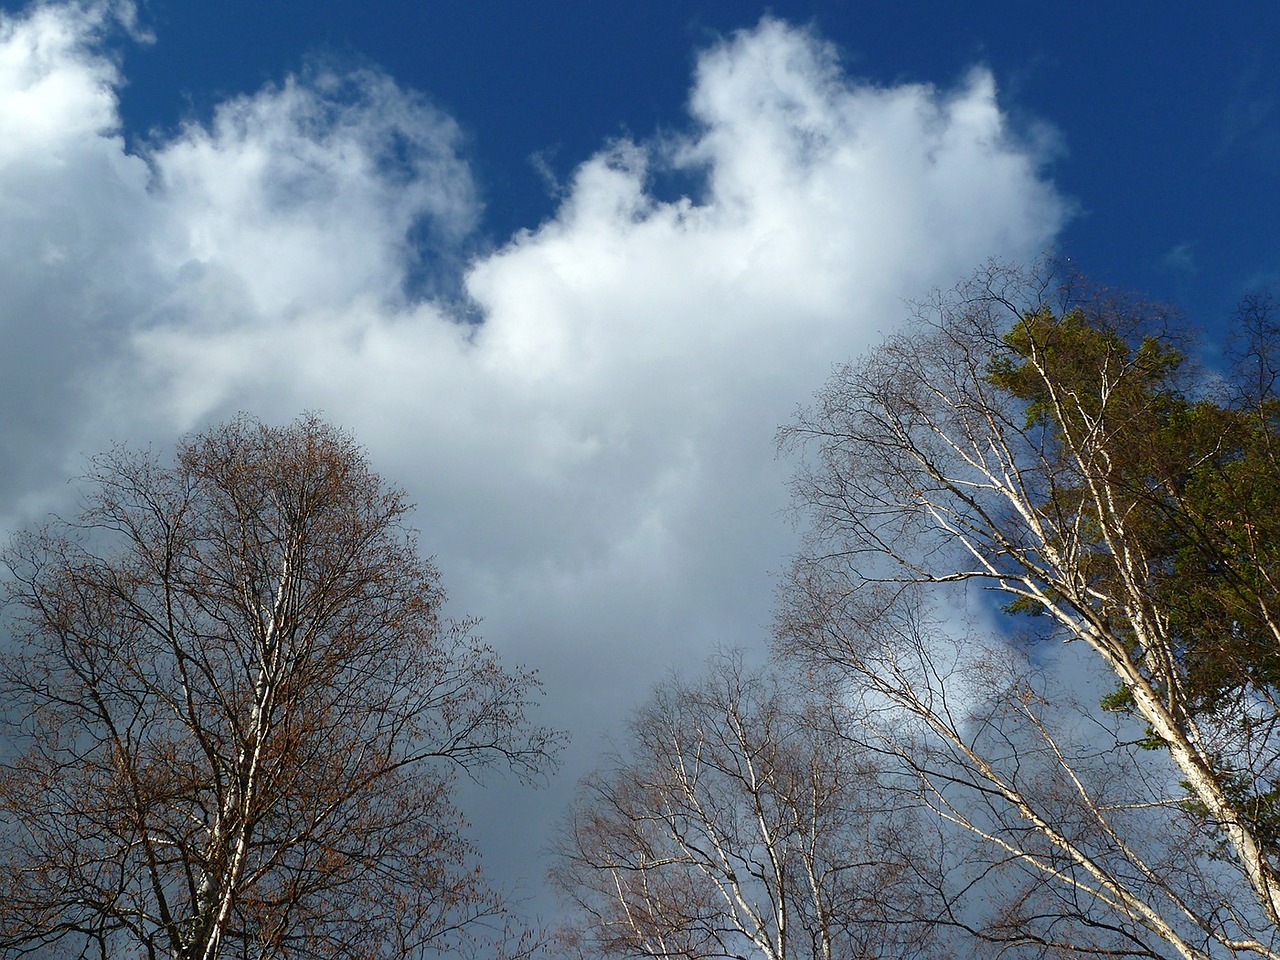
(1065, 455)
(738, 822)
(233, 714)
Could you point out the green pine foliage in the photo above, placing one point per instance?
(1196, 466)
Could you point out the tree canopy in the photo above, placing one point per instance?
(1065, 453)
(740, 821)
(235, 714)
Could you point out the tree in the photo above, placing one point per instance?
(234, 714)
(739, 823)
(1063, 453)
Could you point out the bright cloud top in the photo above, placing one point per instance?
(590, 432)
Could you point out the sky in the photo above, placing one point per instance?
(564, 268)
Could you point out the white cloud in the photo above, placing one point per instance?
(74, 222)
(303, 196)
(594, 458)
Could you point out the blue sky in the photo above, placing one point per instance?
(565, 267)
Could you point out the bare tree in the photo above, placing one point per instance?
(740, 823)
(1063, 454)
(234, 715)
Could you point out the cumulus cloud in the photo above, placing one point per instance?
(590, 434)
(304, 197)
(74, 217)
